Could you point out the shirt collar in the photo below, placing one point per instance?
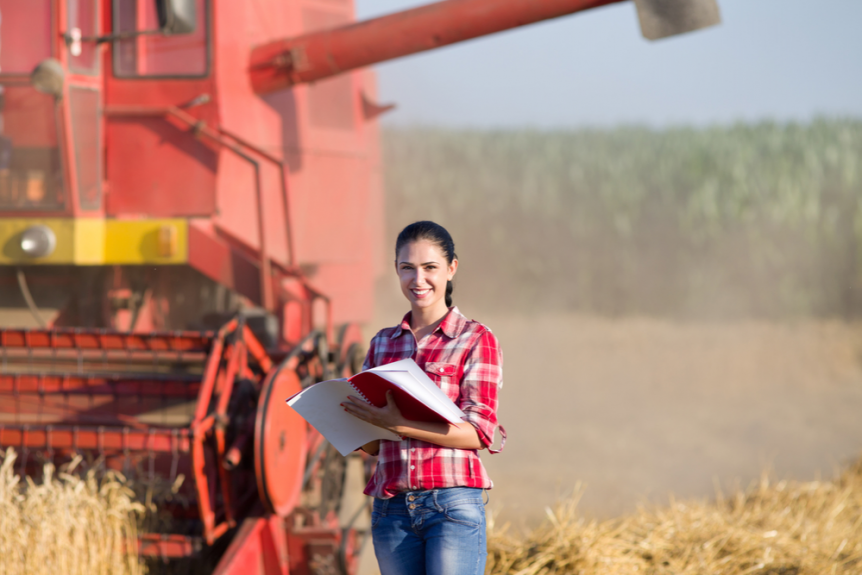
(452, 325)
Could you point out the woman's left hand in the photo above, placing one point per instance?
(388, 417)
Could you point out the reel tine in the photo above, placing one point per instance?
(175, 456)
(25, 450)
(151, 472)
(126, 455)
(48, 443)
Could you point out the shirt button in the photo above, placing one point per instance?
(412, 487)
(412, 467)
(440, 369)
(412, 449)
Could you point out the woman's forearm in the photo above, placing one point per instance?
(461, 436)
(372, 447)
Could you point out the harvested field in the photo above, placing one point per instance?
(67, 524)
(638, 409)
(783, 528)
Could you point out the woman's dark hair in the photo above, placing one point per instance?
(434, 233)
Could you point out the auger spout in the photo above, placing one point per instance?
(319, 55)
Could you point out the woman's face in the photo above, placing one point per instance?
(423, 273)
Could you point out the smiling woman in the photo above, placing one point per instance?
(428, 512)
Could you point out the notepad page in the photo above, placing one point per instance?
(320, 406)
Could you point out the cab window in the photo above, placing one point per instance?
(157, 55)
(31, 173)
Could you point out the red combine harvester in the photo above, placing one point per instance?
(195, 187)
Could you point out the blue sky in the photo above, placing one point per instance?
(770, 59)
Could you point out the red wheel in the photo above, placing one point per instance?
(279, 443)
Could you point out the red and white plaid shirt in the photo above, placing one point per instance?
(463, 357)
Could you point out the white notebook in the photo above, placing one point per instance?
(320, 404)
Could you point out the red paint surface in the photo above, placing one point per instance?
(25, 34)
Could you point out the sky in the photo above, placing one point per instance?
(783, 60)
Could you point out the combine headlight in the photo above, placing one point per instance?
(38, 241)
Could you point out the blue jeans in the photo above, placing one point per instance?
(435, 532)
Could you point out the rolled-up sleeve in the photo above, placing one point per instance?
(480, 385)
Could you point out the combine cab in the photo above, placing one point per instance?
(190, 209)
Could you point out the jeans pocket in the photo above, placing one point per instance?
(375, 518)
(468, 513)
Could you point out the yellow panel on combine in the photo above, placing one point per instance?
(163, 241)
(96, 241)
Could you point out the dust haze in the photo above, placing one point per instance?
(677, 309)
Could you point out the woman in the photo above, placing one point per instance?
(428, 515)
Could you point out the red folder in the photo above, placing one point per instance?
(373, 388)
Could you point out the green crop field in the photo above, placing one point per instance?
(746, 220)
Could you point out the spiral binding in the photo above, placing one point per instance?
(358, 391)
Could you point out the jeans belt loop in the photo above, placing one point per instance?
(383, 507)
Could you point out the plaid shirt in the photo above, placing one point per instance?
(464, 358)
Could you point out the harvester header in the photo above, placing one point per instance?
(318, 55)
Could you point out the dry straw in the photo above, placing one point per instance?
(73, 524)
(774, 528)
(66, 523)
